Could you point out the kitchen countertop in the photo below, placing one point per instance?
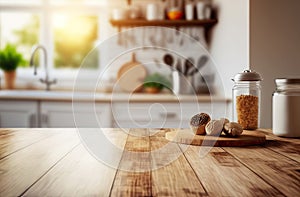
(103, 97)
(54, 162)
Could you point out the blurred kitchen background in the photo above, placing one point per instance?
(238, 35)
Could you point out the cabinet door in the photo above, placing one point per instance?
(61, 115)
(162, 115)
(147, 115)
(18, 114)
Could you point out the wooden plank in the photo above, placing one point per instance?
(79, 173)
(172, 175)
(12, 140)
(288, 147)
(6, 131)
(285, 148)
(133, 177)
(222, 175)
(23, 168)
(53, 167)
(279, 171)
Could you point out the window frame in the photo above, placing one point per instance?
(46, 10)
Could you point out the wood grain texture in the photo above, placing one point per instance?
(288, 147)
(133, 177)
(79, 173)
(223, 175)
(147, 165)
(141, 22)
(279, 171)
(7, 131)
(172, 174)
(186, 136)
(23, 168)
(16, 139)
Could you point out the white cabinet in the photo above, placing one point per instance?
(62, 114)
(162, 115)
(18, 114)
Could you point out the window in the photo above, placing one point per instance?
(74, 37)
(68, 29)
(21, 29)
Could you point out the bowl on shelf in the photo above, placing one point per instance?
(175, 14)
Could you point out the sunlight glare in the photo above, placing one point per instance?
(72, 28)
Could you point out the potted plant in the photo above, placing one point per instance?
(155, 83)
(10, 59)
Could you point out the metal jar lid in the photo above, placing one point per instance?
(287, 81)
(247, 75)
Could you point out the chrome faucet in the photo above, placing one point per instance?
(46, 80)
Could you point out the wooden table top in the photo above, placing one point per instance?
(55, 162)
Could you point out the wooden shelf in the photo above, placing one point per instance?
(168, 23)
(207, 24)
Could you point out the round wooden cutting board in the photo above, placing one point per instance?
(186, 136)
(131, 75)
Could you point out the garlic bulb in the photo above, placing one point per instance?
(214, 127)
(233, 129)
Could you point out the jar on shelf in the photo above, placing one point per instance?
(286, 108)
(246, 96)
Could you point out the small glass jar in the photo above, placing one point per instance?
(246, 96)
(174, 9)
(286, 108)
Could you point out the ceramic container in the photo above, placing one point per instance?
(286, 108)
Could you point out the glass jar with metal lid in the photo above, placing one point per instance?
(246, 96)
(286, 107)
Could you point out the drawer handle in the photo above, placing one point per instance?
(168, 115)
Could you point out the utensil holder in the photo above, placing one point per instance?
(182, 84)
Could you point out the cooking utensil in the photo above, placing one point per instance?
(170, 37)
(182, 37)
(195, 33)
(201, 62)
(120, 38)
(208, 78)
(169, 60)
(178, 66)
(131, 37)
(162, 37)
(193, 71)
(131, 75)
(152, 37)
(189, 64)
